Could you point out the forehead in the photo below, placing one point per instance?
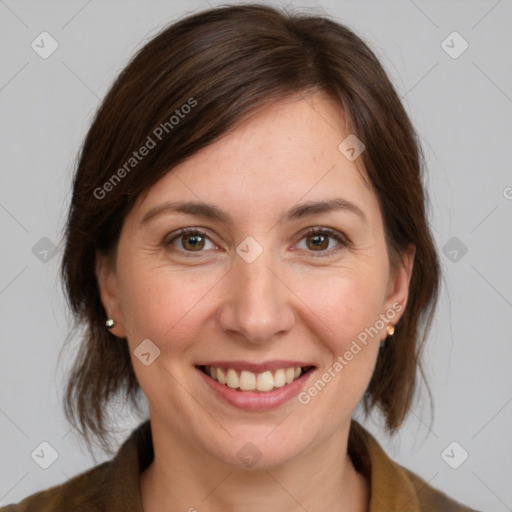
(286, 153)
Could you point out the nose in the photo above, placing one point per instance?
(258, 304)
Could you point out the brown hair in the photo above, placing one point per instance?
(226, 63)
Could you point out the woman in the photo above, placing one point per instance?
(247, 246)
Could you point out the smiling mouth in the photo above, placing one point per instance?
(244, 380)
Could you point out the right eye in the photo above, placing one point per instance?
(188, 240)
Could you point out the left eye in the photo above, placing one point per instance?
(318, 240)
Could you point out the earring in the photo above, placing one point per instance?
(390, 329)
(109, 324)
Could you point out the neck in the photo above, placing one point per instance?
(182, 478)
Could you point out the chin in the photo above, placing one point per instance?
(255, 449)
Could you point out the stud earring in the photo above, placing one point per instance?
(109, 324)
(390, 329)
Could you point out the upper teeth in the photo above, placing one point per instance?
(249, 381)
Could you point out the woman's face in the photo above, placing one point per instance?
(249, 289)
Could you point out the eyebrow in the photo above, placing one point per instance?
(212, 212)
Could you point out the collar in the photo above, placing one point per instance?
(121, 489)
(390, 484)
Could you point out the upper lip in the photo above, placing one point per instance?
(257, 367)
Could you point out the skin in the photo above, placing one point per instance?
(290, 303)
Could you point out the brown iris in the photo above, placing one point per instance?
(320, 241)
(197, 242)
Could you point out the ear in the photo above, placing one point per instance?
(399, 280)
(109, 293)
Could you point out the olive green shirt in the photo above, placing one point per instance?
(114, 486)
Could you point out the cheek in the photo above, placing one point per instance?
(346, 305)
(161, 304)
(346, 310)
(343, 309)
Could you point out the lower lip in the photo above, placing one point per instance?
(257, 400)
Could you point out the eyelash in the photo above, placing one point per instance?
(342, 239)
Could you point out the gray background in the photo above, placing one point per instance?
(462, 108)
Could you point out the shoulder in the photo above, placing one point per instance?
(394, 487)
(112, 486)
(430, 498)
(79, 494)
